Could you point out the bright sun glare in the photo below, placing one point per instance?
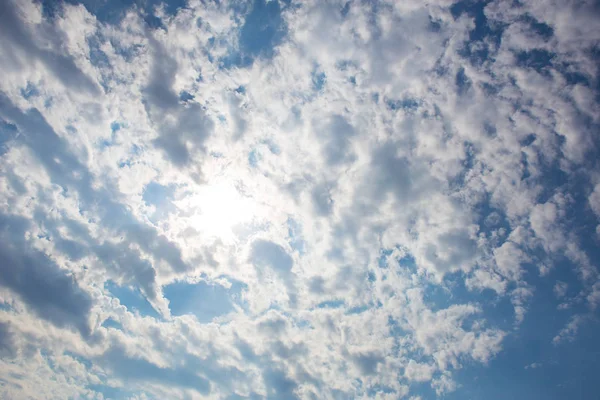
(221, 208)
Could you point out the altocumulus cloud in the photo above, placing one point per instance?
(299, 199)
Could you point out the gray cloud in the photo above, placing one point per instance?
(15, 36)
(137, 369)
(47, 289)
(367, 362)
(408, 179)
(67, 171)
(336, 135)
(182, 127)
(269, 254)
(7, 341)
(321, 196)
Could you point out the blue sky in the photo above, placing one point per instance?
(299, 199)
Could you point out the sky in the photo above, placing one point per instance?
(271, 199)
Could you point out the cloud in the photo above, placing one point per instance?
(560, 289)
(49, 291)
(569, 331)
(183, 127)
(7, 341)
(418, 372)
(21, 45)
(296, 199)
(135, 369)
(533, 366)
(266, 254)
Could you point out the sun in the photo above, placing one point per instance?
(220, 208)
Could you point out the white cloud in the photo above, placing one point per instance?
(560, 289)
(359, 191)
(569, 331)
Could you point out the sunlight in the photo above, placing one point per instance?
(221, 208)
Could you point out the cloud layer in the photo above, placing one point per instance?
(279, 199)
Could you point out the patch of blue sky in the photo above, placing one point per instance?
(345, 9)
(345, 65)
(48, 102)
(558, 372)
(583, 226)
(110, 392)
(157, 195)
(253, 158)
(463, 83)
(111, 323)
(86, 362)
(538, 59)
(395, 329)
(576, 78)
(8, 132)
(295, 238)
(375, 98)
(371, 277)
(125, 163)
(489, 89)
(498, 310)
(579, 220)
(468, 163)
(541, 28)
(98, 57)
(272, 146)
(154, 22)
(4, 306)
(407, 262)
(160, 197)
(378, 389)
(552, 180)
(47, 355)
(331, 304)
(318, 79)
(529, 139)
(133, 299)
(134, 151)
(115, 126)
(453, 291)
(492, 220)
(263, 30)
(127, 52)
(383, 258)
(206, 301)
(357, 309)
(434, 25)
(407, 104)
(482, 33)
(185, 96)
(112, 12)
(29, 91)
(71, 129)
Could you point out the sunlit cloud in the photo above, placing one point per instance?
(276, 199)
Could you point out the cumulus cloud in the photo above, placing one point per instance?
(280, 199)
(49, 291)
